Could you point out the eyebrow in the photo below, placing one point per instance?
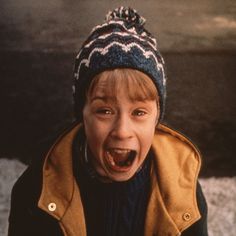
(103, 98)
(108, 99)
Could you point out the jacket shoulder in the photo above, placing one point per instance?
(174, 137)
(173, 147)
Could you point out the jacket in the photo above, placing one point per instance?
(46, 198)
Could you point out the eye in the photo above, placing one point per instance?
(139, 112)
(104, 111)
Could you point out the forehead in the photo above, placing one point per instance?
(104, 91)
(123, 82)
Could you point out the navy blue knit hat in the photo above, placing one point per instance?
(121, 42)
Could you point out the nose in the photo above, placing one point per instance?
(122, 128)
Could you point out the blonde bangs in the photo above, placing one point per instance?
(138, 85)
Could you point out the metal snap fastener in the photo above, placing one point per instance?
(186, 216)
(52, 206)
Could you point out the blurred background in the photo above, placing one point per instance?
(38, 44)
(39, 41)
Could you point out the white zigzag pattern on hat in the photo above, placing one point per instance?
(132, 30)
(125, 48)
(120, 34)
(120, 22)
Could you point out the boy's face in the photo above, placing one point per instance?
(119, 132)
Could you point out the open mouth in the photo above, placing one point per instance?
(120, 159)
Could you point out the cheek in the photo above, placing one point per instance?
(96, 134)
(146, 139)
(147, 142)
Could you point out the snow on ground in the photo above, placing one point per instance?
(10, 170)
(220, 194)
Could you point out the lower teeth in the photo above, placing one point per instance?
(111, 160)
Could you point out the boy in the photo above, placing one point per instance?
(117, 170)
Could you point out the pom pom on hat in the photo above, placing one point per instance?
(127, 14)
(120, 42)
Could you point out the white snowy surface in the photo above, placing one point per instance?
(10, 170)
(220, 194)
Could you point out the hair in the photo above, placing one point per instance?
(138, 85)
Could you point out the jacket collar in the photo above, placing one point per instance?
(174, 182)
(172, 206)
(60, 196)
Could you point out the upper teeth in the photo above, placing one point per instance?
(120, 151)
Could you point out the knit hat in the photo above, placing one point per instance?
(120, 42)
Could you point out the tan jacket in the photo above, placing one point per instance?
(172, 206)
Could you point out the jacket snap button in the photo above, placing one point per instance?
(52, 206)
(186, 216)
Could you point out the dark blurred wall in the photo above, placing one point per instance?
(38, 43)
(62, 25)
